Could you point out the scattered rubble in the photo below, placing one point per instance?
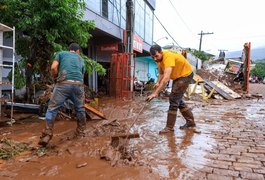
(9, 148)
(225, 76)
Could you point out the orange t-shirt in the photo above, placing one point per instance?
(181, 66)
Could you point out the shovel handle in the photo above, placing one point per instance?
(136, 119)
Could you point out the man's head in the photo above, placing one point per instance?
(74, 47)
(156, 53)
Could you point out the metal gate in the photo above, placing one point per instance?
(122, 75)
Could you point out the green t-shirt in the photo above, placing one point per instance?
(71, 66)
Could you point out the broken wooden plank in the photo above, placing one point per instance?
(94, 111)
(218, 89)
(122, 140)
(197, 78)
(129, 136)
(227, 89)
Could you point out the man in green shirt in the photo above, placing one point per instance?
(68, 69)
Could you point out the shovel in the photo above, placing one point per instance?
(119, 140)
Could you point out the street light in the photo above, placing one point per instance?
(165, 37)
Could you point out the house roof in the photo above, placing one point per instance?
(5, 28)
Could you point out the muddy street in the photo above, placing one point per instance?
(228, 143)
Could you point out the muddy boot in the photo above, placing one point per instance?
(46, 135)
(188, 116)
(171, 120)
(80, 129)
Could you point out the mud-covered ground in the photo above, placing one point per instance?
(228, 143)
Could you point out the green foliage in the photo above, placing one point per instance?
(18, 75)
(258, 70)
(91, 65)
(259, 61)
(54, 21)
(201, 55)
(43, 28)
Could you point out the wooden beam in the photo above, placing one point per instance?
(94, 111)
(219, 90)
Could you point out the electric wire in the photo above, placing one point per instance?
(183, 21)
(166, 31)
(181, 18)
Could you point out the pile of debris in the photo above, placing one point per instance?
(219, 79)
(9, 148)
(26, 110)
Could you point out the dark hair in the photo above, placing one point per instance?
(74, 47)
(155, 48)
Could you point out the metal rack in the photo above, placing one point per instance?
(4, 28)
(122, 75)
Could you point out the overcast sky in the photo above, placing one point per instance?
(233, 23)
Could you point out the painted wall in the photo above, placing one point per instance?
(152, 71)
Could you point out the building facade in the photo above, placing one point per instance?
(110, 36)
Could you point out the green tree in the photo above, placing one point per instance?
(258, 70)
(43, 28)
(201, 55)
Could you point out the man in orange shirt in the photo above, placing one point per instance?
(173, 66)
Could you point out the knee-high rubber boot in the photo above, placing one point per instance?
(81, 127)
(171, 120)
(46, 135)
(188, 116)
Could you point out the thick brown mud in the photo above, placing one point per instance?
(183, 154)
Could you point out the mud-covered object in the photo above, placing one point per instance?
(188, 116)
(107, 127)
(123, 155)
(46, 135)
(171, 120)
(179, 87)
(81, 126)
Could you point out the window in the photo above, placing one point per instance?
(114, 11)
(123, 14)
(105, 8)
(148, 25)
(94, 5)
(139, 17)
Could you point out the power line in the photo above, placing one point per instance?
(181, 18)
(166, 31)
(183, 21)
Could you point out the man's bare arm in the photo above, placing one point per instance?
(164, 80)
(54, 68)
(162, 85)
(160, 77)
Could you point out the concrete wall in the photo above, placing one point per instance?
(194, 61)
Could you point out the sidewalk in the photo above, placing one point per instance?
(237, 129)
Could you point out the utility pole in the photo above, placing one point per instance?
(129, 25)
(246, 60)
(201, 34)
(129, 37)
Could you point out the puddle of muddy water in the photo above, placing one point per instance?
(175, 156)
(169, 155)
